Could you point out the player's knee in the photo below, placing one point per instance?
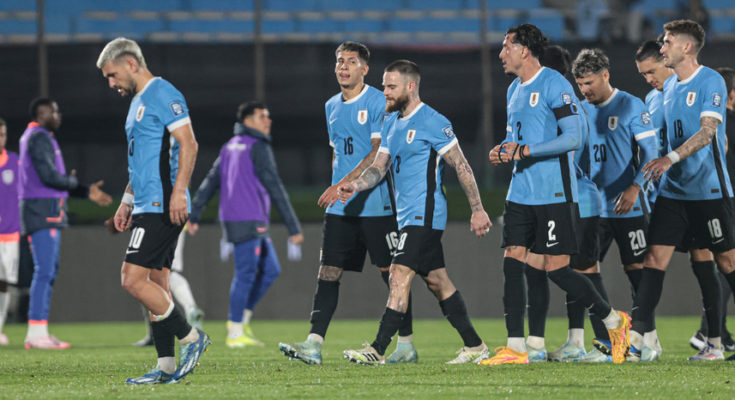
(516, 252)
(329, 273)
(130, 284)
(726, 261)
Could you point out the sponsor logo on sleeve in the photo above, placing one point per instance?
(716, 100)
(448, 131)
(176, 108)
(533, 100)
(646, 118)
(566, 98)
(612, 122)
(691, 96)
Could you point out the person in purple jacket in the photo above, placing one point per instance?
(246, 175)
(9, 225)
(43, 189)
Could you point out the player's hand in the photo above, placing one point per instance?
(656, 168)
(192, 228)
(495, 155)
(625, 201)
(329, 197)
(110, 226)
(346, 191)
(480, 223)
(296, 239)
(98, 196)
(511, 152)
(123, 217)
(177, 208)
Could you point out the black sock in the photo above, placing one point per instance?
(163, 340)
(454, 309)
(634, 277)
(538, 300)
(580, 288)
(514, 296)
(176, 324)
(575, 313)
(596, 320)
(649, 293)
(388, 327)
(406, 328)
(325, 302)
(726, 293)
(709, 284)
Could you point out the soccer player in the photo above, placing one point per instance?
(43, 187)
(541, 211)
(622, 139)
(694, 201)
(364, 223)
(9, 225)
(246, 174)
(416, 143)
(161, 155)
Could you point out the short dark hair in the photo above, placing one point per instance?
(648, 49)
(529, 36)
(405, 67)
(687, 27)
(558, 58)
(590, 61)
(359, 48)
(36, 104)
(247, 109)
(728, 74)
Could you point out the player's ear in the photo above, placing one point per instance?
(365, 70)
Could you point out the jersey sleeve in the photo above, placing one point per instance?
(329, 126)
(563, 103)
(376, 114)
(170, 107)
(643, 132)
(714, 98)
(441, 135)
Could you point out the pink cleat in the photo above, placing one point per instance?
(48, 342)
(4, 340)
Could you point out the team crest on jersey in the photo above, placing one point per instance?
(140, 112)
(411, 134)
(612, 122)
(690, 98)
(8, 177)
(448, 131)
(176, 108)
(362, 117)
(716, 100)
(646, 118)
(533, 100)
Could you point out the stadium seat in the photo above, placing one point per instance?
(442, 25)
(649, 8)
(221, 5)
(69, 8)
(360, 5)
(326, 25)
(134, 29)
(722, 26)
(718, 4)
(278, 26)
(224, 25)
(58, 25)
(550, 21)
(435, 4)
(520, 5)
(18, 26)
(291, 5)
(501, 23)
(364, 25)
(18, 5)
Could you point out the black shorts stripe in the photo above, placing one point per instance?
(164, 168)
(430, 188)
(565, 111)
(566, 179)
(718, 167)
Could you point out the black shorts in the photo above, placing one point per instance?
(346, 239)
(543, 229)
(152, 241)
(588, 244)
(630, 234)
(419, 248)
(702, 224)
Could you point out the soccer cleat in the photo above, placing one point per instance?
(603, 345)
(536, 355)
(708, 353)
(468, 355)
(506, 355)
(620, 338)
(731, 358)
(146, 341)
(190, 353)
(634, 355)
(566, 353)
(595, 356)
(366, 356)
(4, 340)
(48, 342)
(727, 343)
(698, 341)
(249, 332)
(309, 351)
(153, 377)
(195, 317)
(404, 353)
(650, 340)
(649, 354)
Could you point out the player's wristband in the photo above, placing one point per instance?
(128, 199)
(523, 148)
(674, 157)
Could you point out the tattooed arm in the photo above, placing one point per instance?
(330, 195)
(479, 222)
(368, 179)
(705, 135)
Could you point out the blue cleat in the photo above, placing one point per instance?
(595, 356)
(567, 352)
(153, 377)
(536, 355)
(404, 353)
(190, 353)
(309, 351)
(603, 345)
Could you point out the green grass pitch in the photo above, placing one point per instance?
(101, 358)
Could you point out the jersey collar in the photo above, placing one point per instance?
(687, 80)
(533, 78)
(609, 99)
(354, 99)
(146, 86)
(415, 110)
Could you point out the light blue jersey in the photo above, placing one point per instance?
(589, 202)
(543, 114)
(703, 175)
(621, 128)
(415, 144)
(654, 105)
(352, 124)
(153, 154)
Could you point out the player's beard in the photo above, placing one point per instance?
(132, 87)
(398, 104)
